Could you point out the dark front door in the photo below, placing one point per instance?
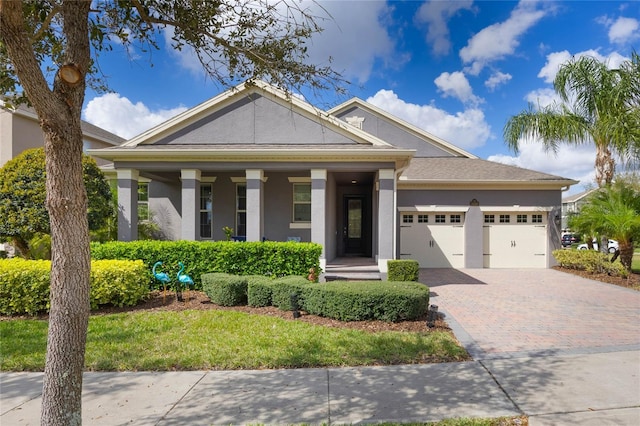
(355, 232)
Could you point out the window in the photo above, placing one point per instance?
(441, 218)
(302, 202)
(489, 218)
(241, 209)
(407, 218)
(143, 201)
(423, 218)
(505, 218)
(522, 218)
(454, 218)
(536, 218)
(206, 211)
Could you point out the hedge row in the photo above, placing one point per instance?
(592, 261)
(269, 258)
(403, 270)
(342, 300)
(24, 284)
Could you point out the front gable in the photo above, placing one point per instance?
(254, 114)
(395, 131)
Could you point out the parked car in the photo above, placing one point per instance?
(568, 239)
(612, 247)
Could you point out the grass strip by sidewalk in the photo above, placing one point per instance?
(195, 340)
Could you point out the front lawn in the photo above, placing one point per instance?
(221, 339)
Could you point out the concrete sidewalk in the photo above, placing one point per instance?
(554, 390)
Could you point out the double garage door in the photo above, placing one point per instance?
(509, 239)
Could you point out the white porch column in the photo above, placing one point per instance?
(255, 204)
(127, 204)
(190, 204)
(318, 211)
(386, 223)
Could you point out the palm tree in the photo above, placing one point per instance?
(599, 106)
(613, 210)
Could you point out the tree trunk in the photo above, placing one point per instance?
(59, 112)
(626, 254)
(605, 165)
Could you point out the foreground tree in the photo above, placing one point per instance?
(22, 198)
(233, 39)
(599, 106)
(614, 211)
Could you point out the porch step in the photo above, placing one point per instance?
(352, 276)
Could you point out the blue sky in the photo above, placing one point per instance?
(458, 69)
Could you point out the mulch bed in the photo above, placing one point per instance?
(631, 282)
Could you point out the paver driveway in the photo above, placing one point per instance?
(504, 312)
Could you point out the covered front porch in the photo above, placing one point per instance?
(349, 209)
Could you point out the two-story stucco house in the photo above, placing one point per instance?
(354, 179)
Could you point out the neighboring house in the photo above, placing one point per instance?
(20, 130)
(355, 179)
(571, 205)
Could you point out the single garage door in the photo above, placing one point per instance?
(435, 240)
(515, 240)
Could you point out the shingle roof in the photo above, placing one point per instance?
(470, 169)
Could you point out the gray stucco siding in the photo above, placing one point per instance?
(394, 134)
(543, 198)
(255, 120)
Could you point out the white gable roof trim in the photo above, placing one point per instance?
(200, 111)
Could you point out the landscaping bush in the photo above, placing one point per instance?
(225, 289)
(24, 284)
(259, 289)
(367, 300)
(269, 258)
(118, 282)
(592, 261)
(403, 270)
(283, 288)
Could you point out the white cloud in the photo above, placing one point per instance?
(623, 30)
(119, 115)
(541, 98)
(556, 59)
(456, 85)
(355, 38)
(500, 40)
(466, 129)
(496, 79)
(573, 162)
(436, 13)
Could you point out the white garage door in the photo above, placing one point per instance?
(434, 240)
(515, 240)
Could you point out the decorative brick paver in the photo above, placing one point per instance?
(531, 310)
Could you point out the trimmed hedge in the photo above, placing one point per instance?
(24, 284)
(403, 270)
(269, 258)
(367, 300)
(592, 261)
(259, 289)
(342, 300)
(225, 289)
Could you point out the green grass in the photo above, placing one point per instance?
(212, 339)
(635, 262)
